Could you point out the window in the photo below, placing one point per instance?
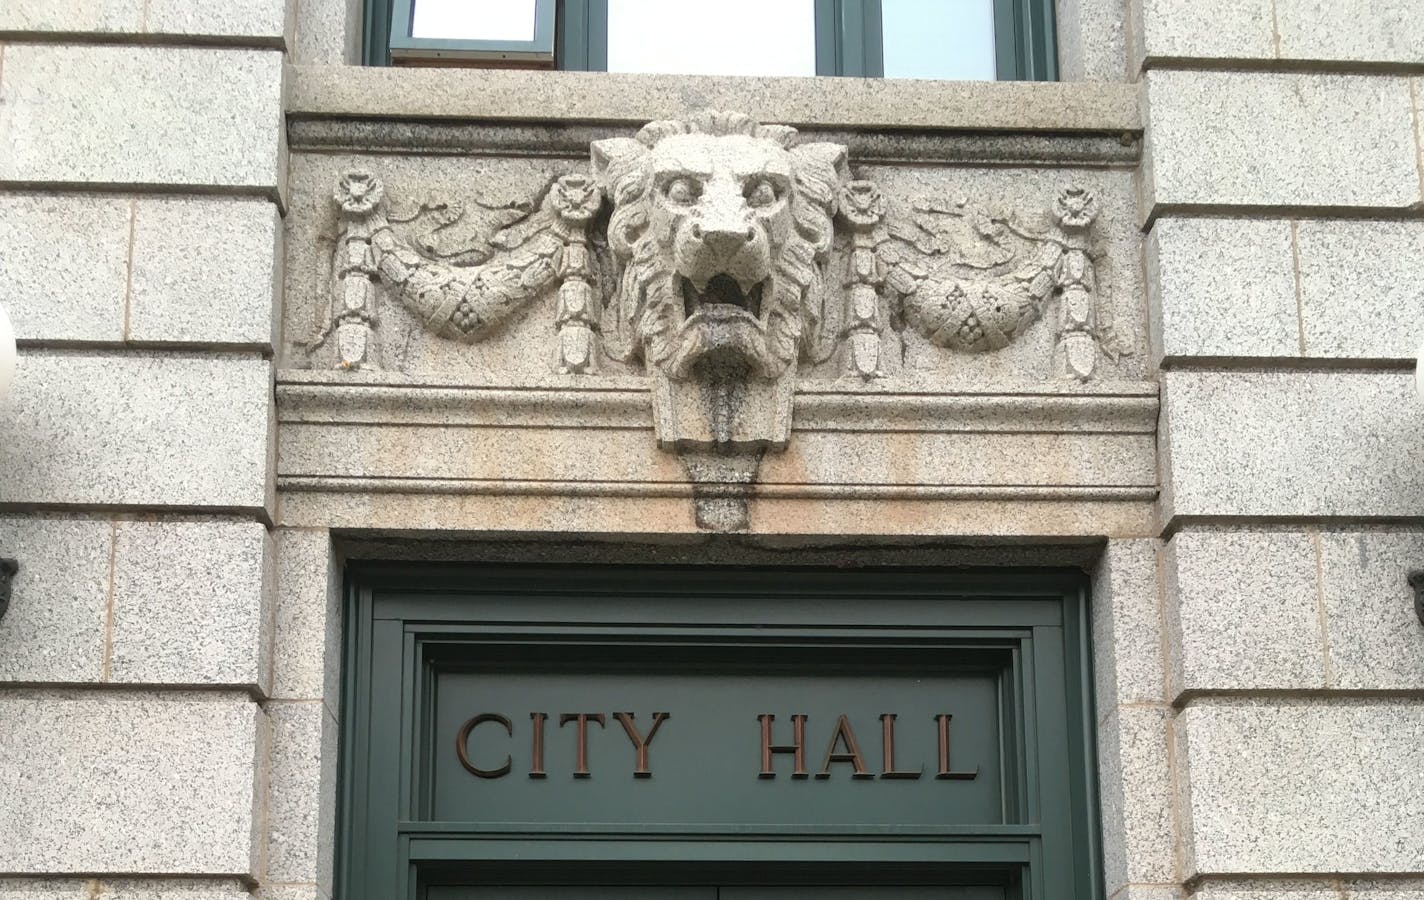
(1011, 40)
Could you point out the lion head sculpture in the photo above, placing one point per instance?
(722, 226)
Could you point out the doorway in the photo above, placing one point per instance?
(716, 733)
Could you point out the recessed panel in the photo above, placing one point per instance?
(805, 739)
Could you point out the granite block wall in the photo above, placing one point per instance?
(1259, 665)
(1280, 194)
(142, 179)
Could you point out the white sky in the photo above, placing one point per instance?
(742, 37)
(474, 20)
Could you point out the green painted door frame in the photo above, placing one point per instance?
(428, 644)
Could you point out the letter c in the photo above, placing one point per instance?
(462, 743)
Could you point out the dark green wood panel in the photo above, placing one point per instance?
(705, 756)
(1004, 653)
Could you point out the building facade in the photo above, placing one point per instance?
(290, 327)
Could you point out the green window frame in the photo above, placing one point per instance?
(849, 41)
(405, 623)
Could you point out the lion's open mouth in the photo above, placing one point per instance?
(722, 295)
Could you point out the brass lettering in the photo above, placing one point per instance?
(944, 770)
(581, 762)
(640, 743)
(887, 737)
(462, 742)
(798, 747)
(536, 768)
(844, 735)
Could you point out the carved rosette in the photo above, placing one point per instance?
(740, 255)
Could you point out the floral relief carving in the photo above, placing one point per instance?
(722, 257)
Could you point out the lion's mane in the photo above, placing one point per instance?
(650, 305)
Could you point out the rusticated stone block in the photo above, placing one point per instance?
(1202, 29)
(260, 21)
(77, 295)
(206, 271)
(263, 21)
(1271, 890)
(138, 430)
(1387, 31)
(1318, 786)
(1376, 640)
(1138, 832)
(1334, 141)
(71, 16)
(122, 889)
(301, 806)
(54, 629)
(1243, 612)
(158, 784)
(1291, 444)
(192, 604)
(307, 643)
(141, 115)
(1359, 288)
(1127, 626)
(1221, 287)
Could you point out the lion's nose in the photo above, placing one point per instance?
(724, 241)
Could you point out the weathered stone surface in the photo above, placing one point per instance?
(493, 94)
(1150, 892)
(72, 16)
(1302, 786)
(307, 644)
(1335, 140)
(1243, 612)
(290, 892)
(1393, 889)
(1351, 30)
(54, 630)
(1376, 641)
(192, 604)
(328, 32)
(122, 889)
(301, 806)
(1127, 627)
(138, 430)
(77, 295)
(260, 21)
(1202, 29)
(1271, 890)
(1092, 45)
(141, 115)
(164, 784)
(206, 271)
(1136, 778)
(1359, 288)
(1221, 287)
(1291, 444)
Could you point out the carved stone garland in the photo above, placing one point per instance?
(719, 237)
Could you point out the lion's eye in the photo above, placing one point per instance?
(683, 190)
(760, 193)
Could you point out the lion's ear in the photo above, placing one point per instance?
(612, 158)
(832, 156)
(821, 169)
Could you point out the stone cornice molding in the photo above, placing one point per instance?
(492, 95)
